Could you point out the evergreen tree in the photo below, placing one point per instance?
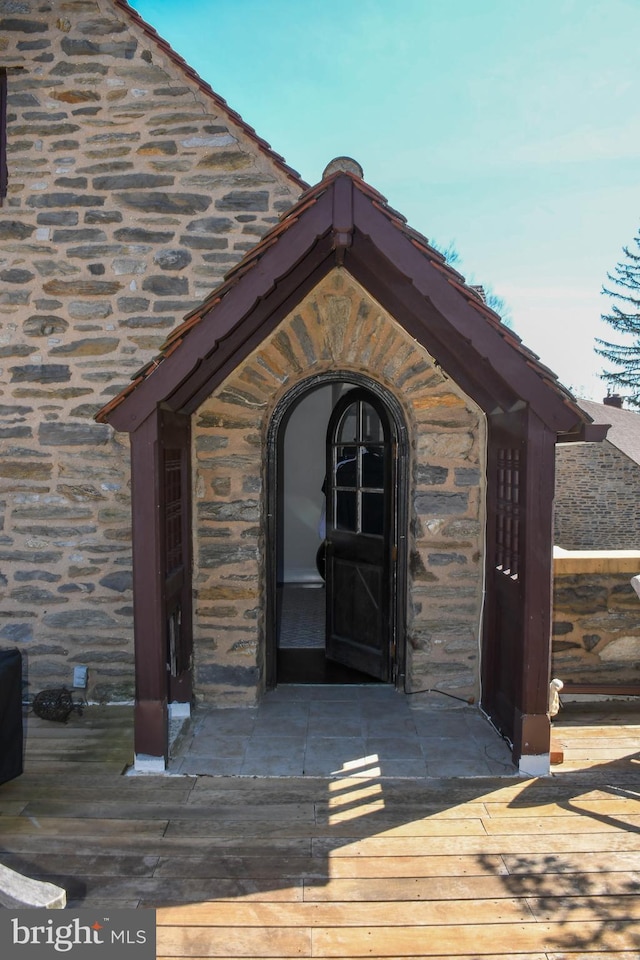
(625, 320)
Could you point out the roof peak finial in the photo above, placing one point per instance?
(343, 165)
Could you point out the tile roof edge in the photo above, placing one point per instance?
(431, 255)
(439, 262)
(208, 90)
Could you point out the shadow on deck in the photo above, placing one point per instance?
(341, 867)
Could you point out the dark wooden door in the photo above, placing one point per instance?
(359, 493)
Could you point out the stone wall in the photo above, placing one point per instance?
(596, 618)
(131, 192)
(597, 496)
(338, 327)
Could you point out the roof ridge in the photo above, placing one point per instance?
(295, 214)
(207, 89)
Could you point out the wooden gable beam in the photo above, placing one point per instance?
(279, 260)
(418, 316)
(467, 322)
(229, 352)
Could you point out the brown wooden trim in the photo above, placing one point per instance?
(417, 315)
(586, 433)
(151, 728)
(150, 713)
(262, 321)
(475, 349)
(475, 375)
(532, 735)
(537, 566)
(604, 689)
(463, 318)
(342, 214)
(276, 263)
(489, 646)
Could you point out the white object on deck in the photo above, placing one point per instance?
(554, 696)
(17, 891)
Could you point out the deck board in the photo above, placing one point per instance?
(476, 869)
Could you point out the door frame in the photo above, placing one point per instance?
(273, 486)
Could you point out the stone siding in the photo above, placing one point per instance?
(596, 620)
(130, 193)
(338, 327)
(597, 496)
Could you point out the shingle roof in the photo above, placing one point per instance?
(206, 311)
(624, 426)
(220, 103)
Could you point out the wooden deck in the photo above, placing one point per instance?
(544, 869)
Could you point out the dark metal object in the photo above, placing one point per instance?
(55, 705)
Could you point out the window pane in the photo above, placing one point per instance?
(346, 510)
(346, 467)
(373, 513)
(373, 467)
(348, 430)
(371, 425)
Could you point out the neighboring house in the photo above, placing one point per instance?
(598, 484)
(341, 335)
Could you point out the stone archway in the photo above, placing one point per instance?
(337, 331)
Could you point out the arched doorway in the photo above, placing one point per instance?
(337, 496)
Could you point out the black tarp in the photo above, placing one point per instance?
(10, 714)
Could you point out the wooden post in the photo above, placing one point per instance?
(517, 628)
(151, 732)
(532, 733)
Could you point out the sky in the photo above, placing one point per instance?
(509, 129)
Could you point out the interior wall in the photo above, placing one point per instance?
(304, 469)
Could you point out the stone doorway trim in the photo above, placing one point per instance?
(273, 484)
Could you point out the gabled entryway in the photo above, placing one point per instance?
(451, 580)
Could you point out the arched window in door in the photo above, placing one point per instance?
(358, 468)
